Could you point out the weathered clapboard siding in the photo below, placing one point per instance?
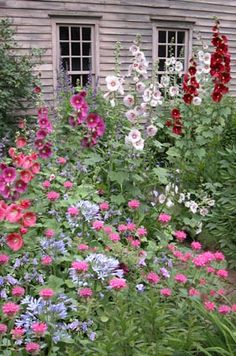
(120, 20)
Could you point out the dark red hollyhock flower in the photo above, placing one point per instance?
(216, 96)
(224, 77)
(168, 123)
(188, 98)
(216, 41)
(192, 70)
(192, 90)
(221, 88)
(215, 28)
(216, 58)
(194, 82)
(37, 89)
(175, 114)
(222, 48)
(177, 130)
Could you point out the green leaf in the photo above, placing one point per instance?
(118, 177)
(173, 152)
(162, 174)
(118, 199)
(92, 159)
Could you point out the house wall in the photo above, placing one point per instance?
(120, 20)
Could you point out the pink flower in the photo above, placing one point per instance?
(166, 292)
(3, 329)
(180, 235)
(29, 219)
(80, 266)
(14, 241)
(114, 236)
(134, 204)
(46, 184)
(107, 229)
(92, 120)
(122, 228)
(233, 308)
(164, 218)
(39, 328)
(83, 247)
(104, 206)
(77, 101)
(196, 245)
(18, 291)
(9, 174)
(210, 306)
(97, 225)
(117, 283)
(4, 259)
(219, 256)
(21, 186)
(46, 260)
(221, 292)
(85, 292)
(13, 213)
(135, 243)
(131, 226)
(72, 210)
(68, 184)
(181, 278)
(141, 231)
(210, 269)
(17, 333)
(46, 293)
(222, 273)
(193, 292)
(32, 348)
(61, 160)
(152, 278)
(49, 233)
(52, 196)
(10, 309)
(224, 309)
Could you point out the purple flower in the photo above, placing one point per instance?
(20, 186)
(77, 101)
(9, 174)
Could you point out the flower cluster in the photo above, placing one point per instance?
(45, 128)
(190, 84)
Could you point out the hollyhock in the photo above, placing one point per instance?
(25, 204)
(21, 142)
(181, 278)
(29, 219)
(151, 130)
(18, 333)
(92, 120)
(39, 144)
(9, 174)
(134, 136)
(61, 160)
(3, 329)
(41, 134)
(222, 273)
(164, 218)
(233, 308)
(39, 328)
(46, 293)
(77, 101)
(85, 292)
(4, 259)
(175, 114)
(180, 235)
(80, 266)
(113, 83)
(46, 151)
(10, 309)
(224, 309)
(196, 245)
(166, 292)
(82, 115)
(53, 196)
(32, 348)
(210, 306)
(14, 241)
(134, 204)
(46, 260)
(152, 278)
(21, 186)
(117, 283)
(35, 168)
(18, 291)
(43, 122)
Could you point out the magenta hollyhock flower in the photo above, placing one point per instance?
(85, 292)
(43, 112)
(80, 266)
(18, 291)
(134, 204)
(32, 348)
(10, 309)
(39, 144)
(39, 328)
(43, 122)
(4, 259)
(87, 142)
(21, 142)
(77, 101)
(180, 235)
(46, 293)
(26, 175)
(3, 329)
(82, 115)
(29, 219)
(100, 128)
(71, 121)
(166, 292)
(92, 120)
(18, 333)
(9, 174)
(117, 283)
(52, 196)
(41, 134)
(97, 225)
(35, 168)
(210, 306)
(152, 278)
(164, 218)
(181, 278)
(45, 152)
(196, 245)
(21, 186)
(14, 241)
(61, 160)
(46, 260)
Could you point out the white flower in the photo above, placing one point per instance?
(151, 130)
(197, 100)
(172, 60)
(206, 69)
(139, 145)
(168, 62)
(140, 87)
(134, 136)
(207, 58)
(168, 188)
(179, 66)
(147, 95)
(199, 69)
(113, 103)
(165, 81)
(204, 211)
(140, 57)
(199, 230)
(128, 100)
(127, 140)
(162, 198)
(131, 115)
(169, 203)
(113, 83)
(173, 91)
(156, 95)
(135, 79)
(176, 189)
(141, 69)
(153, 103)
(211, 202)
(193, 206)
(134, 50)
(181, 198)
(201, 55)
(187, 204)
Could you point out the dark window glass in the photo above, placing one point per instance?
(75, 33)
(84, 79)
(75, 48)
(76, 65)
(171, 37)
(66, 63)
(161, 65)
(162, 51)
(180, 37)
(162, 36)
(75, 79)
(86, 49)
(64, 48)
(180, 51)
(64, 33)
(86, 34)
(86, 63)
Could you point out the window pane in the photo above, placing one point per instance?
(75, 48)
(84, 79)
(86, 63)
(180, 37)
(65, 63)
(162, 65)
(86, 34)
(76, 65)
(162, 51)
(162, 36)
(180, 51)
(64, 33)
(86, 49)
(171, 36)
(75, 33)
(171, 51)
(75, 79)
(64, 48)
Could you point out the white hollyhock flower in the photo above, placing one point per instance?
(162, 198)
(140, 87)
(179, 66)
(139, 145)
(131, 115)
(147, 95)
(173, 91)
(203, 211)
(193, 206)
(207, 58)
(206, 68)
(165, 81)
(211, 202)
(181, 198)
(127, 141)
(153, 103)
(151, 130)
(197, 100)
(134, 136)
(128, 100)
(156, 95)
(200, 55)
(168, 62)
(169, 203)
(134, 50)
(113, 83)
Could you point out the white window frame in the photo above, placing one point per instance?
(74, 21)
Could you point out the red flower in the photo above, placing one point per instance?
(37, 89)
(14, 241)
(29, 219)
(188, 98)
(175, 114)
(216, 96)
(21, 142)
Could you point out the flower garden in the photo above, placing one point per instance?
(117, 215)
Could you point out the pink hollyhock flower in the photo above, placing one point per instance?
(104, 206)
(92, 120)
(10, 309)
(68, 184)
(13, 213)
(196, 245)
(114, 236)
(130, 226)
(181, 278)
(46, 184)
(21, 142)
(222, 273)
(32, 348)
(134, 204)
(39, 328)
(18, 291)
(152, 278)
(80, 266)
(85, 292)
(180, 235)
(166, 292)
(97, 225)
(135, 243)
(72, 210)
(233, 308)
(46, 293)
(4, 259)
(46, 260)
(14, 241)
(3, 208)
(23, 230)
(122, 228)
(3, 329)
(61, 160)
(52, 196)
(35, 168)
(221, 292)
(41, 134)
(21, 186)
(77, 101)
(83, 247)
(49, 233)
(107, 229)
(193, 292)
(26, 175)
(224, 309)
(117, 283)
(219, 256)
(18, 333)
(43, 122)
(46, 151)
(82, 115)
(210, 306)
(29, 219)
(164, 218)
(141, 231)
(43, 112)
(100, 128)
(9, 174)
